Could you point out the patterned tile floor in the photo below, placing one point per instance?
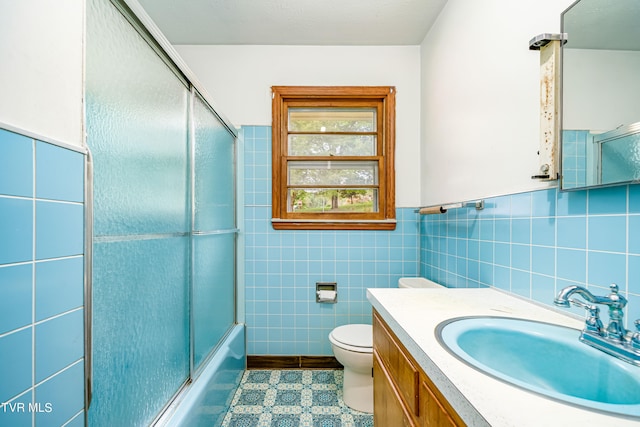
(292, 398)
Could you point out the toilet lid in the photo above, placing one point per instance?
(356, 335)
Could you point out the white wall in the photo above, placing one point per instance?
(239, 80)
(41, 51)
(601, 89)
(480, 98)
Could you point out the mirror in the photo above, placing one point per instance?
(600, 93)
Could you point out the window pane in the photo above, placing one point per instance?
(332, 119)
(323, 200)
(333, 173)
(332, 145)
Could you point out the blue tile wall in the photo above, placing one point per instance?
(282, 266)
(16, 164)
(533, 244)
(574, 157)
(41, 283)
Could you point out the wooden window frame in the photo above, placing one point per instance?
(334, 96)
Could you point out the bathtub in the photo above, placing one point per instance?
(206, 400)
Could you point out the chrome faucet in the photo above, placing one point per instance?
(614, 339)
(614, 301)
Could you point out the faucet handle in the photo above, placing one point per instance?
(618, 300)
(635, 337)
(592, 321)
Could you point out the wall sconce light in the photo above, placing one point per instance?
(550, 124)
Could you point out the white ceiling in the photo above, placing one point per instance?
(294, 22)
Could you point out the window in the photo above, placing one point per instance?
(333, 157)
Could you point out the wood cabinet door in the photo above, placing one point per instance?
(398, 363)
(432, 413)
(388, 410)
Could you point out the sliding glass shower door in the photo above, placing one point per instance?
(214, 230)
(164, 222)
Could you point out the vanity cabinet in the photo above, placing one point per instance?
(403, 395)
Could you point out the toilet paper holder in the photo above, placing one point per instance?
(327, 292)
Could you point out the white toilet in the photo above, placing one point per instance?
(353, 347)
(417, 282)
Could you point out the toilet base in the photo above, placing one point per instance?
(357, 390)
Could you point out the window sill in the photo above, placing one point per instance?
(319, 224)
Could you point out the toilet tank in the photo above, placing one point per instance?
(417, 282)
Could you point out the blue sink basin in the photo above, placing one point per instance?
(545, 359)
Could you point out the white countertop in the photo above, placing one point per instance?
(479, 399)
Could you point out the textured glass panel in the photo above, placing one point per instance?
(136, 129)
(140, 329)
(333, 173)
(319, 200)
(213, 290)
(332, 145)
(214, 171)
(332, 119)
(621, 159)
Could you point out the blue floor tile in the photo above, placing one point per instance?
(293, 398)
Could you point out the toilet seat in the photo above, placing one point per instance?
(356, 337)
